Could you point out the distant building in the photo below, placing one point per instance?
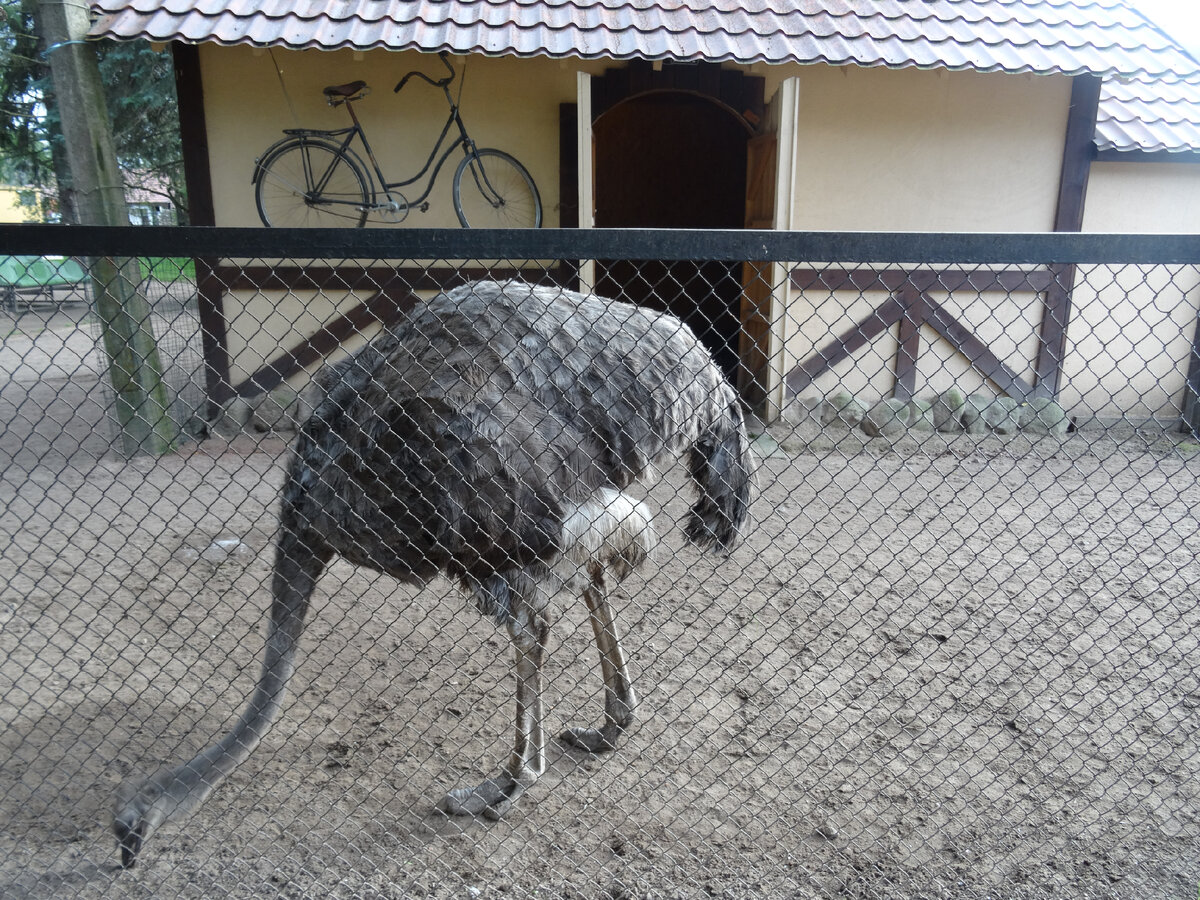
(147, 200)
(20, 204)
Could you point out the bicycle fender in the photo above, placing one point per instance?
(299, 139)
(258, 161)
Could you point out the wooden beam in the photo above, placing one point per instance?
(375, 278)
(976, 351)
(909, 348)
(214, 337)
(568, 165)
(383, 307)
(193, 133)
(880, 320)
(333, 278)
(911, 306)
(1147, 156)
(393, 294)
(1052, 336)
(1007, 281)
(1078, 149)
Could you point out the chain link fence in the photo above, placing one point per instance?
(953, 654)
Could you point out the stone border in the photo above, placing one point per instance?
(280, 411)
(949, 412)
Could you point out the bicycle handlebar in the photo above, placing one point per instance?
(441, 82)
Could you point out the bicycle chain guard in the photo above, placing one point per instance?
(394, 209)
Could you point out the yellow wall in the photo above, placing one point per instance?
(508, 104)
(250, 96)
(1131, 329)
(913, 150)
(876, 149)
(1143, 198)
(11, 208)
(1129, 340)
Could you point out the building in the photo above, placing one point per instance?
(942, 115)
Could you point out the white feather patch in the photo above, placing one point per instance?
(607, 526)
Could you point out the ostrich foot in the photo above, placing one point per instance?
(493, 799)
(593, 740)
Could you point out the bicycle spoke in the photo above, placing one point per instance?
(493, 190)
(311, 184)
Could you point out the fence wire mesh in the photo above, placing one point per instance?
(953, 654)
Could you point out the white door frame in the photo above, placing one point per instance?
(787, 125)
(586, 175)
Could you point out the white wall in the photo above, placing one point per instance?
(911, 150)
(1131, 330)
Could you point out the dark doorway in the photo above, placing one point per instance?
(674, 160)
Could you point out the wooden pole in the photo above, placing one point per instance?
(1072, 192)
(142, 404)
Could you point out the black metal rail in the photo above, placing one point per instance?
(455, 243)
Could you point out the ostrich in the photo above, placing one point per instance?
(489, 436)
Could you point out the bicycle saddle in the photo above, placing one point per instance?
(344, 90)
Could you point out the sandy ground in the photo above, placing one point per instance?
(936, 668)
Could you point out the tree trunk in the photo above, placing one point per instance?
(65, 199)
(142, 404)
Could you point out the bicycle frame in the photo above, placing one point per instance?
(340, 141)
(357, 130)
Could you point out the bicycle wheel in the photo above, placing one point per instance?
(311, 184)
(493, 190)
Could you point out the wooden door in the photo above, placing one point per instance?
(755, 340)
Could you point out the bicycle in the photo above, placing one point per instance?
(314, 178)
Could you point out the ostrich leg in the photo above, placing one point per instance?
(619, 699)
(529, 629)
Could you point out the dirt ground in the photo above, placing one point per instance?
(944, 667)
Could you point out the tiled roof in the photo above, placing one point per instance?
(1150, 116)
(1045, 36)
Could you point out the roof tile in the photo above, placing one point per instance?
(1153, 117)
(1050, 36)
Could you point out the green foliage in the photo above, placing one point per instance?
(145, 117)
(24, 140)
(140, 89)
(166, 268)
